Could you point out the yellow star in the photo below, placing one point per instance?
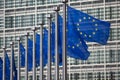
(93, 20)
(77, 24)
(81, 33)
(80, 20)
(93, 33)
(85, 35)
(90, 36)
(80, 42)
(96, 24)
(96, 29)
(73, 47)
(77, 45)
(88, 17)
(78, 29)
(84, 17)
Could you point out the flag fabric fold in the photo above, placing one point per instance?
(7, 67)
(81, 27)
(22, 57)
(53, 43)
(30, 52)
(45, 48)
(14, 68)
(88, 27)
(76, 46)
(1, 68)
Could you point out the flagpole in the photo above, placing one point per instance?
(56, 43)
(26, 56)
(4, 50)
(41, 51)
(64, 53)
(34, 54)
(11, 71)
(49, 48)
(18, 76)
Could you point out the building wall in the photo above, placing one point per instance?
(18, 17)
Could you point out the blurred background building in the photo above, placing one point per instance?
(19, 16)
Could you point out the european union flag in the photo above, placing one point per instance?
(30, 52)
(88, 27)
(59, 43)
(76, 47)
(1, 68)
(45, 33)
(7, 67)
(22, 52)
(14, 68)
(45, 46)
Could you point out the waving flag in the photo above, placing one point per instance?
(30, 52)
(22, 53)
(1, 68)
(7, 67)
(76, 47)
(53, 43)
(88, 27)
(14, 68)
(44, 48)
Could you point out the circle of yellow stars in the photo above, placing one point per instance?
(95, 29)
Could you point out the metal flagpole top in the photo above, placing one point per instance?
(11, 43)
(41, 23)
(4, 47)
(64, 1)
(49, 16)
(57, 8)
(33, 28)
(18, 39)
(26, 34)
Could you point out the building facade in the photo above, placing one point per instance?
(18, 17)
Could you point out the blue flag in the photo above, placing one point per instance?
(7, 67)
(76, 47)
(14, 68)
(1, 68)
(37, 50)
(88, 27)
(22, 53)
(30, 53)
(53, 43)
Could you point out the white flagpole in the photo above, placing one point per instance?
(64, 54)
(26, 56)
(56, 44)
(11, 61)
(34, 54)
(41, 51)
(4, 52)
(49, 48)
(18, 76)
